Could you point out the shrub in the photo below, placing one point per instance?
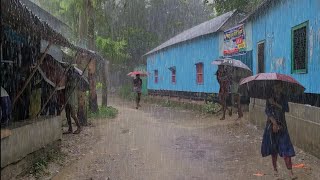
(104, 112)
(126, 92)
(40, 164)
(99, 85)
(212, 108)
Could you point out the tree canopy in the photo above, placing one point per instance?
(124, 30)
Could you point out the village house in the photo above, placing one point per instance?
(33, 73)
(279, 36)
(286, 39)
(20, 59)
(182, 65)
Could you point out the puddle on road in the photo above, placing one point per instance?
(196, 148)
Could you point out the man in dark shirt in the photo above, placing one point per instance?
(224, 79)
(137, 86)
(72, 101)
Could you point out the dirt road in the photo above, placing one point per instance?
(157, 143)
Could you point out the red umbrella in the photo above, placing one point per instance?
(133, 73)
(261, 85)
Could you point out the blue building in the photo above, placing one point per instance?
(183, 63)
(279, 36)
(286, 39)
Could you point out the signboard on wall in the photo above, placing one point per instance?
(234, 41)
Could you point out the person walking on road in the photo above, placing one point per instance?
(71, 105)
(137, 86)
(276, 140)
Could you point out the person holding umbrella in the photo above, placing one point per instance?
(5, 109)
(235, 95)
(137, 86)
(71, 101)
(276, 140)
(231, 71)
(275, 88)
(224, 82)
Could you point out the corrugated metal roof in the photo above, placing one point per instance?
(16, 14)
(53, 21)
(205, 28)
(20, 18)
(263, 5)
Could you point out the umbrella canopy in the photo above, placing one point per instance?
(239, 69)
(83, 80)
(261, 85)
(3, 92)
(133, 73)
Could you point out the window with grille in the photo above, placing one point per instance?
(156, 76)
(261, 55)
(199, 68)
(299, 48)
(173, 75)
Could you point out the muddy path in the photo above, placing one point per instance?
(156, 143)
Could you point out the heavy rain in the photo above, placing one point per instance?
(160, 89)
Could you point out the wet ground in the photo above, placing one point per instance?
(156, 143)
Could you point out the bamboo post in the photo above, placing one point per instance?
(31, 75)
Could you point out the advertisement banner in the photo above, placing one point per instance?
(234, 41)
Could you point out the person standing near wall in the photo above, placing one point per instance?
(71, 104)
(6, 108)
(276, 140)
(236, 96)
(137, 87)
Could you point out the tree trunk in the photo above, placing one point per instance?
(83, 30)
(93, 104)
(105, 83)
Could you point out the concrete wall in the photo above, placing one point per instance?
(30, 138)
(14, 170)
(303, 123)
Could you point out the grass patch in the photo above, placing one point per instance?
(40, 165)
(104, 112)
(39, 168)
(209, 108)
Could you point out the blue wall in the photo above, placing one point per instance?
(184, 56)
(274, 26)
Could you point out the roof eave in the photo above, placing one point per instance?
(253, 13)
(218, 30)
